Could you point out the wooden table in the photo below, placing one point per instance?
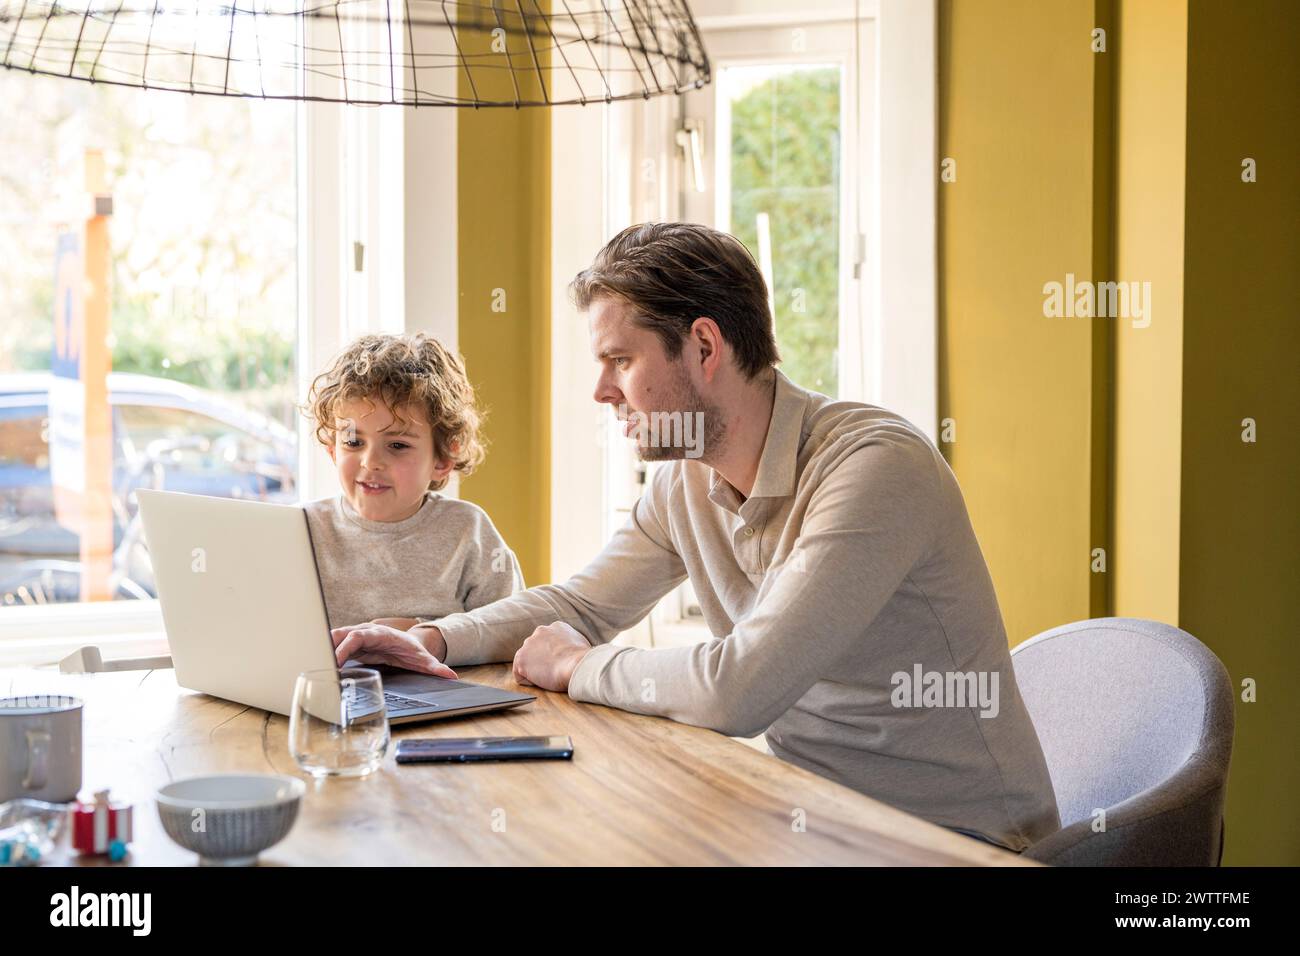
(639, 790)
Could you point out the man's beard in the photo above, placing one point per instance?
(689, 427)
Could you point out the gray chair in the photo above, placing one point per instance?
(1135, 717)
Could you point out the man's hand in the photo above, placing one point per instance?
(397, 623)
(380, 644)
(549, 657)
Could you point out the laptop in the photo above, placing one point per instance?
(245, 612)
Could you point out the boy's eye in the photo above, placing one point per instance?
(350, 443)
(398, 445)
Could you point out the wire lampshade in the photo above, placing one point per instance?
(403, 52)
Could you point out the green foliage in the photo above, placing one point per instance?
(241, 355)
(785, 162)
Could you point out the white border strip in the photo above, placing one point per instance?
(905, 353)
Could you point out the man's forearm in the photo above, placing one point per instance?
(493, 633)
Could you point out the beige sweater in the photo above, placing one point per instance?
(445, 558)
(852, 561)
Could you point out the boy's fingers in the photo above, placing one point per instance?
(377, 646)
(426, 663)
(338, 634)
(343, 649)
(440, 669)
(354, 644)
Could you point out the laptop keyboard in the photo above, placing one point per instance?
(398, 702)
(359, 703)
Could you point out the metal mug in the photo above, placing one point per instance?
(40, 747)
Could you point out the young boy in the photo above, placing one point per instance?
(397, 415)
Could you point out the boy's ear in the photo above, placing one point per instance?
(442, 469)
(330, 448)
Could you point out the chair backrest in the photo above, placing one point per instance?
(1135, 718)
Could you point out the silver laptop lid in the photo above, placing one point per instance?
(241, 599)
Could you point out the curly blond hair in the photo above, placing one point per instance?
(399, 369)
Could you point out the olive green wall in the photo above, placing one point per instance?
(1073, 433)
(1239, 563)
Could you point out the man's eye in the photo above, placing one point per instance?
(621, 362)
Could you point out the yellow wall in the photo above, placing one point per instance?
(1133, 435)
(1151, 140)
(1016, 113)
(504, 244)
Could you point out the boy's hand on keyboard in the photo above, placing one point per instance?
(380, 644)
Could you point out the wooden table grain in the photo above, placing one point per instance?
(638, 791)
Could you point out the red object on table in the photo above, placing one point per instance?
(96, 826)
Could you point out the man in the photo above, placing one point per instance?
(827, 542)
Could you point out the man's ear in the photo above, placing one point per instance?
(707, 337)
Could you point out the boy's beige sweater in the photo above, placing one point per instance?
(446, 558)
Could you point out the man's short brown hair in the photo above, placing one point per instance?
(673, 273)
(402, 369)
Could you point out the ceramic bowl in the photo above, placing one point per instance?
(229, 818)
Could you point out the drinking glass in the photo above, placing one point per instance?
(339, 724)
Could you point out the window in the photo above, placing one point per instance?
(763, 154)
(203, 253)
(182, 450)
(235, 235)
(779, 160)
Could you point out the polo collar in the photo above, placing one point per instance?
(779, 461)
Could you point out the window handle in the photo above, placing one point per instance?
(690, 137)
